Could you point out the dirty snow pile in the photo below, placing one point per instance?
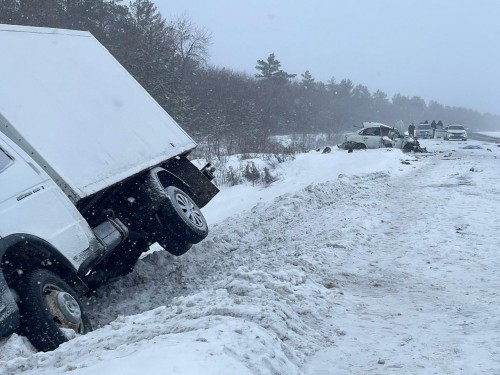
(351, 263)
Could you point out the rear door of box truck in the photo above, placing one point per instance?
(68, 103)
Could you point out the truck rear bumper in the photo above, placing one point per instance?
(9, 313)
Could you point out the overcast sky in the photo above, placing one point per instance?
(443, 50)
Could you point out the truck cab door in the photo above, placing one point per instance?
(31, 203)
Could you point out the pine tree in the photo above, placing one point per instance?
(251, 173)
(307, 79)
(270, 69)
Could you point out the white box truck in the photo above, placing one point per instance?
(92, 171)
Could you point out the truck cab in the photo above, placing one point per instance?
(39, 229)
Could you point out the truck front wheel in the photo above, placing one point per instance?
(50, 310)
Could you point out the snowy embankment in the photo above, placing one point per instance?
(492, 137)
(373, 261)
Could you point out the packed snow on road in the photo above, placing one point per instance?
(350, 263)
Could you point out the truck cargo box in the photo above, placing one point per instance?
(70, 105)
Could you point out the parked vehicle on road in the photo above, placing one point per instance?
(440, 132)
(423, 131)
(456, 132)
(92, 171)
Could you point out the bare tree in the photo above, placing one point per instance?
(191, 43)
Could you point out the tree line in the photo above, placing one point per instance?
(170, 59)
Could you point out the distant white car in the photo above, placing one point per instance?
(456, 132)
(423, 131)
(371, 135)
(440, 133)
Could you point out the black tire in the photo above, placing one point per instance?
(172, 243)
(47, 307)
(182, 216)
(360, 146)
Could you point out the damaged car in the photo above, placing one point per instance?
(378, 135)
(371, 135)
(403, 141)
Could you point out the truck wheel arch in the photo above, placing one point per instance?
(26, 252)
(159, 179)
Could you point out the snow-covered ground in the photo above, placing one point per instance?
(491, 134)
(370, 262)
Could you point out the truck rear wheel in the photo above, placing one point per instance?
(50, 311)
(182, 216)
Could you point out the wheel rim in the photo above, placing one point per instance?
(190, 211)
(63, 308)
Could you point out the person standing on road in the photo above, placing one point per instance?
(433, 126)
(411, 130)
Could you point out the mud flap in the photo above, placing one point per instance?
(202, 189)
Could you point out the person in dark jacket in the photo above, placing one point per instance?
(411, 130)
(433, 126)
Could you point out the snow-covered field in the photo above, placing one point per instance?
(370, 262)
